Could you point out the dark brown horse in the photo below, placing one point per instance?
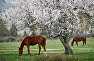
(33, 40)
(79, 38)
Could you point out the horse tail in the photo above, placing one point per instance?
(44, 40)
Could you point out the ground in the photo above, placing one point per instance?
(9, 50)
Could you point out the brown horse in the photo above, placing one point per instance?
(79, 38)
(33, 40)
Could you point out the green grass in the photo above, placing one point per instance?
(4, 37)
(9, 51)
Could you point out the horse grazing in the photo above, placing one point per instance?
(79, 38)
(33, 40)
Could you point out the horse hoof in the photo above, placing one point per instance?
(38, 54)
(76, 46)
(28, 55)
(45, 54)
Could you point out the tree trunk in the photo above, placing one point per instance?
(68, 50)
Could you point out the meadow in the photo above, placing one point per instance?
(9, 51)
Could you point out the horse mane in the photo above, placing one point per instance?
(72, 42)
(22, 43)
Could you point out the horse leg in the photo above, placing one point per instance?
(39, 48)
(28, 50)
(83, 43)
(76, 44)
(44, 49)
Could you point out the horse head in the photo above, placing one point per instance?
(20, 51)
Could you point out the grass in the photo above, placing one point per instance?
(9, 51)
(4, 37)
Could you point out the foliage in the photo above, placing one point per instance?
(56, 15)
(3, 30)
(13, 31)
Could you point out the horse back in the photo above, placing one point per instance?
(33, 40)
(80, 38)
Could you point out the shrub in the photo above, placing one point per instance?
(56, 57)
